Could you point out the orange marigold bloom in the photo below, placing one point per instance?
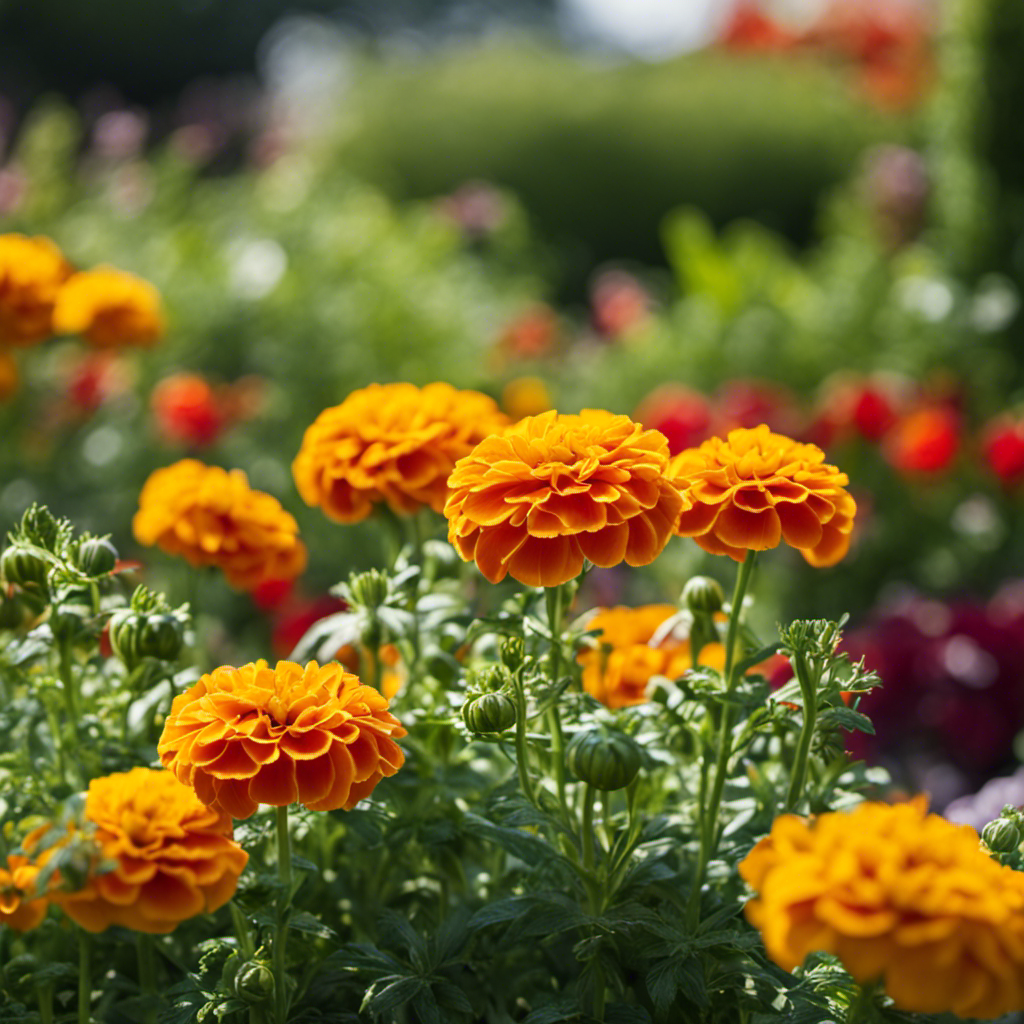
(255, 735)
(898, 895)
(20, 908)
(755, 489)
(10, 378)
(31, 273)
(393, 443)
(618, 670)
(553, 490)
(211, 516)
(172, 857)
(110, 308)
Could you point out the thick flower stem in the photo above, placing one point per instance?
(809, 690)
(84, 976)
(861, 1006)
(708, 814)
(284, 877)
(147, 973)
(587, 836)
(45, 996)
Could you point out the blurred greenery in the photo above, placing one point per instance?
(599, 154)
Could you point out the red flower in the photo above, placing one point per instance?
(925, 441)
(532, 334)
(620, 302)
(680, 413)
(186, 410)
(750, 29)
(1002, 444)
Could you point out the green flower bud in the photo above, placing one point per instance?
(368, 589)
(254, 982)
(703, 595)
(134, 636)
(24, 567)
(606, 760)
(490, 712)
(96, 556)
(488, 677)
(1001, 836)
(512, 652)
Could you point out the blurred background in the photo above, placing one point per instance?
(705, 214)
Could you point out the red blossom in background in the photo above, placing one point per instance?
(532, 334)
(925, 441)
(683, 415)
(1002, 446)
(187, 410)
(619, 303)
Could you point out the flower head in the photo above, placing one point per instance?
(255, 735)
(211, 516)
(110, 307)
(925, 441)
(172, 856)
(898, 895)
(187, 410)
(393, 444)
(755, 489)
(618, 670)
(552, 490)
(32, 271)
(20, 908)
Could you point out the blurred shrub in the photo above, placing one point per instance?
(599, 155)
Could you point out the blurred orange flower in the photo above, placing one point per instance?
(211, 516)
(20, 908)
(390, 443)
(393, 673)
(32, 271)
(756, 489)
(110, 308)
(10, 378)
(525, 396)
(899, 895)
(618, 670)
(552, 490)
(173, 858)
(255, 735)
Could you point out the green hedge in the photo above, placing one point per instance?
(599, 154)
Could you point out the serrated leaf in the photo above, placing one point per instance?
(389, 993)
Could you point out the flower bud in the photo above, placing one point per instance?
(606, 760)
(21, 565)
(512, 652)
(486, 678)
(703, 595)
(1001, 836)
(254, 982)
(490, 712)
(368, 589)
(134, 636)
(96, 556)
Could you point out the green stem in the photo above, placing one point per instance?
(245, 944)
(809, 689)
(147, 973)
(587, 837)
(284, 876)
(84, 976)
(861, 1005)
(67, 682)
(522, 751)
(45, 996)
(558, 759)
(708, 814)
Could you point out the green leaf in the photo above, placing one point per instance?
(389, 993)
(303, 921)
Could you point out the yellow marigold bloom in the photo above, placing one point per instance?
(618, 670)
(390, 443)
(110, 308)
(211, 516)
(899, 895)
(525, 396)
(172, 857)
(31, 273)
(553, 490)
(755, 489)
(20, 907)
(255, 735)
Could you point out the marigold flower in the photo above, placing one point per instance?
(553, 490)
(211, 516)
(110, 308)
(10, 378)
(32, 271)
(925, 441)
(618, 671)
(525, 396)
(755, 489)
(20, 908)
(173, 857)
(393, 443)
(187, 410)
(898, 895)
(255, 735)
(1002, 445)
